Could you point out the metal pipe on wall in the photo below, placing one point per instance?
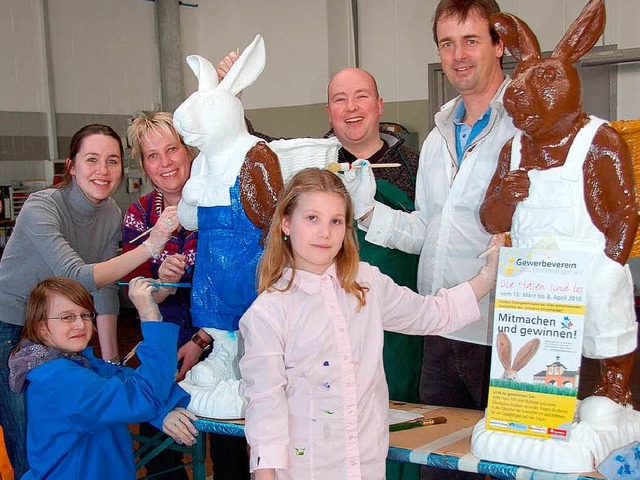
(170, 59)
(49, 94)
(356, 34)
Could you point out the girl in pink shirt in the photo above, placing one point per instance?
(312, 367)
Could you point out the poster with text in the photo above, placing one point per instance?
(537, 341)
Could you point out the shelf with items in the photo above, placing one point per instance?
(21, 189)
(59, 170)
(6, 204)
(19, 197)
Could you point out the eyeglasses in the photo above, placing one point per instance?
(71, 317)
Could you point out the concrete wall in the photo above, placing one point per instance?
(104, 61)
(103, 68)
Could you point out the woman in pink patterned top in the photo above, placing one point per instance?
(166, 160)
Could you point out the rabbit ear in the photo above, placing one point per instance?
(204, 71)
(583, 32)
(516, 36)
(504, 350)
(526, 353)
(247, 68)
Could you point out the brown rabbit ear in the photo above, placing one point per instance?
(504, 349)
(526, 353)
(583, 32)
(516, 36)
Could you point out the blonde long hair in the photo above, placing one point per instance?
(278, 253)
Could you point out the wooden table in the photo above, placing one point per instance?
(447, 446)
(444, 446)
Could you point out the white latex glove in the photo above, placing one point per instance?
(490, 269)
(177, 424)
(361, 185)
(161, 232)
(141, 294)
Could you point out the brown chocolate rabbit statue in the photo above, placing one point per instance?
(566, 182)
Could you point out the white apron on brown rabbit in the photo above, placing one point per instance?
(544, 101)
(567, 182)
(555, 216)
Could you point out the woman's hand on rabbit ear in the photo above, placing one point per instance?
(514, 187)
(225, 65)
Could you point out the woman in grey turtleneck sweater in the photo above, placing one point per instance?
(70, 230)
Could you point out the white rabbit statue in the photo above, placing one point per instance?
(230, 198)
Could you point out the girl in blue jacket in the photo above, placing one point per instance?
(78, 406)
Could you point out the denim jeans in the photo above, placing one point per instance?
(454, 374)
(13, 415)
(229, 456)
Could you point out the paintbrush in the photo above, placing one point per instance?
(141, 235)
(145, 232)
(425, 422)
(345, 167)
(164, 284)
(507, 243)
(488, 251)
(130, 355)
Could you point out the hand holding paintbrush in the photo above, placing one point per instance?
(507, 243)
(359, 181)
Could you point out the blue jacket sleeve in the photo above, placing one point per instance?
(107, 395)
(177, 398)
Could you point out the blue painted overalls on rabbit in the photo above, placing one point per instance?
(229, 246)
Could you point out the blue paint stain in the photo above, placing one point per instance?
(623, 463)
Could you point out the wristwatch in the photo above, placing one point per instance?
(199, 341)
